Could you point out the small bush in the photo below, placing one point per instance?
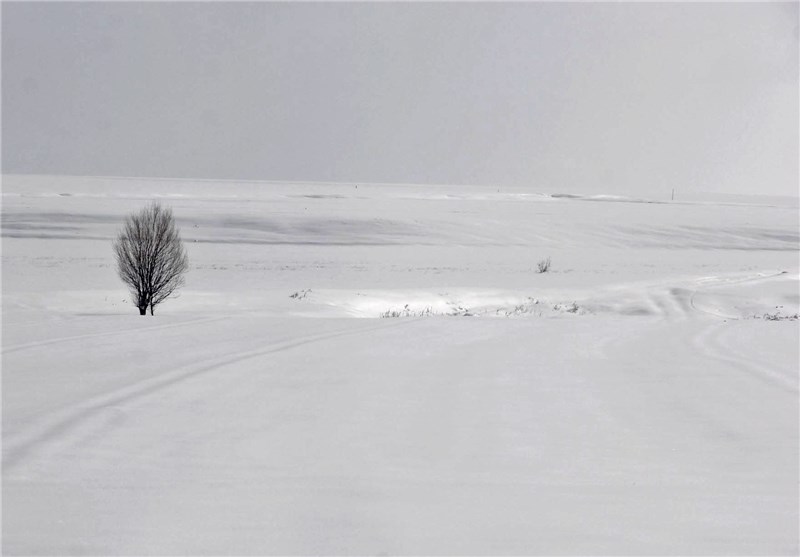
(407, 312)
(778, 316)
(455, 311)
(544, 265)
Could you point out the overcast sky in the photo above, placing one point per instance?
(627, 97)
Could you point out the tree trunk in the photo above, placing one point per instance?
(151, 309)
(143, 310)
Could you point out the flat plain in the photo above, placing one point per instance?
(381, 369)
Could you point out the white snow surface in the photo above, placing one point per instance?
(633, 400)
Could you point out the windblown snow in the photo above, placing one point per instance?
(375, 369)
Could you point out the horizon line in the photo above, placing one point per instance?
(358, 183)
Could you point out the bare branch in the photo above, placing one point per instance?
(151, 259)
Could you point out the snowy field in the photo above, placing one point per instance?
(639, 398)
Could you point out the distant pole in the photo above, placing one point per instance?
(673, 194)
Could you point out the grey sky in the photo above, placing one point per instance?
(551, 96)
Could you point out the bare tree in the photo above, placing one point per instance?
(150, 256)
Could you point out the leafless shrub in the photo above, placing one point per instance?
(407, 312)
(455, 311)
(778, 316)
(544, 265)
(150, 256)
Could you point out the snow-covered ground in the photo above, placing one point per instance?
(633, 400)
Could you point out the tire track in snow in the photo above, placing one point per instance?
(675, 299)
(710, 342)
(670, 302)
(21, 446)
(37, 344)
(720, 282)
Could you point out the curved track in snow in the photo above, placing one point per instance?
(57, 429)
